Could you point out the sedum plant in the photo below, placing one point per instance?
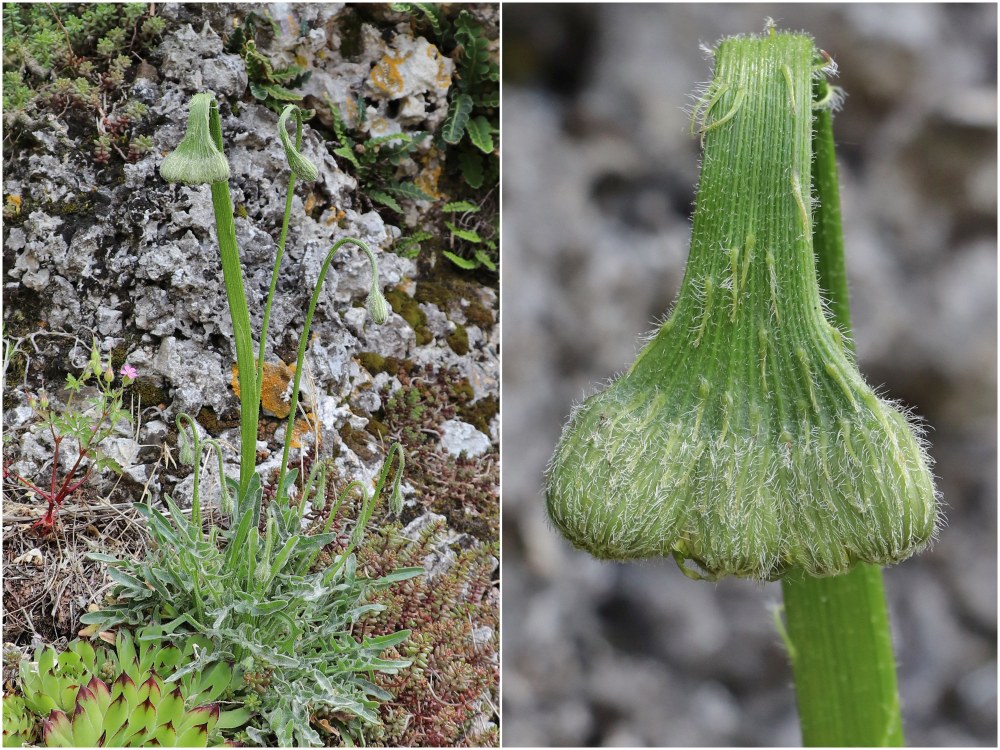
(743, 439)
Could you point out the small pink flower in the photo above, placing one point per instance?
(128, 371)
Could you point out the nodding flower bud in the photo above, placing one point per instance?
(376, 303)
(299, 164)
(396, 498)
(743, 438)
(197, 160)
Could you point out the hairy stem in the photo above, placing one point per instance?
(845, 675)
(303, 345)
(232, 273)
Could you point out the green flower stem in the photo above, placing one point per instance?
(277, 259)
(232, 273)
(303, 344)
(845, 674)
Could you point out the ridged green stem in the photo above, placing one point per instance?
(232, 274)
(277, 260)
(845, 674)
(303, 345)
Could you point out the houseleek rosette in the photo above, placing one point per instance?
(744, 439)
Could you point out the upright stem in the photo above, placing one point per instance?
(841, 646)
(232, 273)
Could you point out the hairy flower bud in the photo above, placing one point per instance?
(377, 305)
(743, 438)
(196, 160)
(297, 162)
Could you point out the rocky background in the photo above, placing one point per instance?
(599, 181)
(98, 246)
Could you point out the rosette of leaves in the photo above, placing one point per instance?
(257, 597)
(70, 692)
(130, 715)
(270, 84)
(19, 724)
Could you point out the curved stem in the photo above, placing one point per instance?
(304, 343)
(277, 260)
(196, 449)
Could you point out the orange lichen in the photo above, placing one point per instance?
(335, 216)
(304, 427)
(443, 78)
(351, 111)
(385, 76)
(428, 179)
(273, 389)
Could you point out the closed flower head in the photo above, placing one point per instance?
(744, 439)
(299, 164)
(197, 160)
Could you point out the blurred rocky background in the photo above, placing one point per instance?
(599, 180)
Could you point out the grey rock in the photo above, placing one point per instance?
(197, 62)
(109, 320)
(458, 437)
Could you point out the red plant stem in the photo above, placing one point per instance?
(55, 459)
(84, 450)
(30, 485)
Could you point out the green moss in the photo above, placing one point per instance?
(358, 441)
(376, 363)
(406, 306)
(480, 413)
(373, 362)
(448, 291)
(478, 315)
(148, 392)
(458, 340)
(118, 356)
(377, 428)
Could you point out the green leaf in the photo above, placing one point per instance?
(458, 260)
(101, 557)
(407, 190)
(234, 718)
(457, 119)
(274, 91)
(485, 259)
(481, 134)
(385, 199)
(399, 575)
(471, 164)
(383, 642)
(456, 207)
(464, 234)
